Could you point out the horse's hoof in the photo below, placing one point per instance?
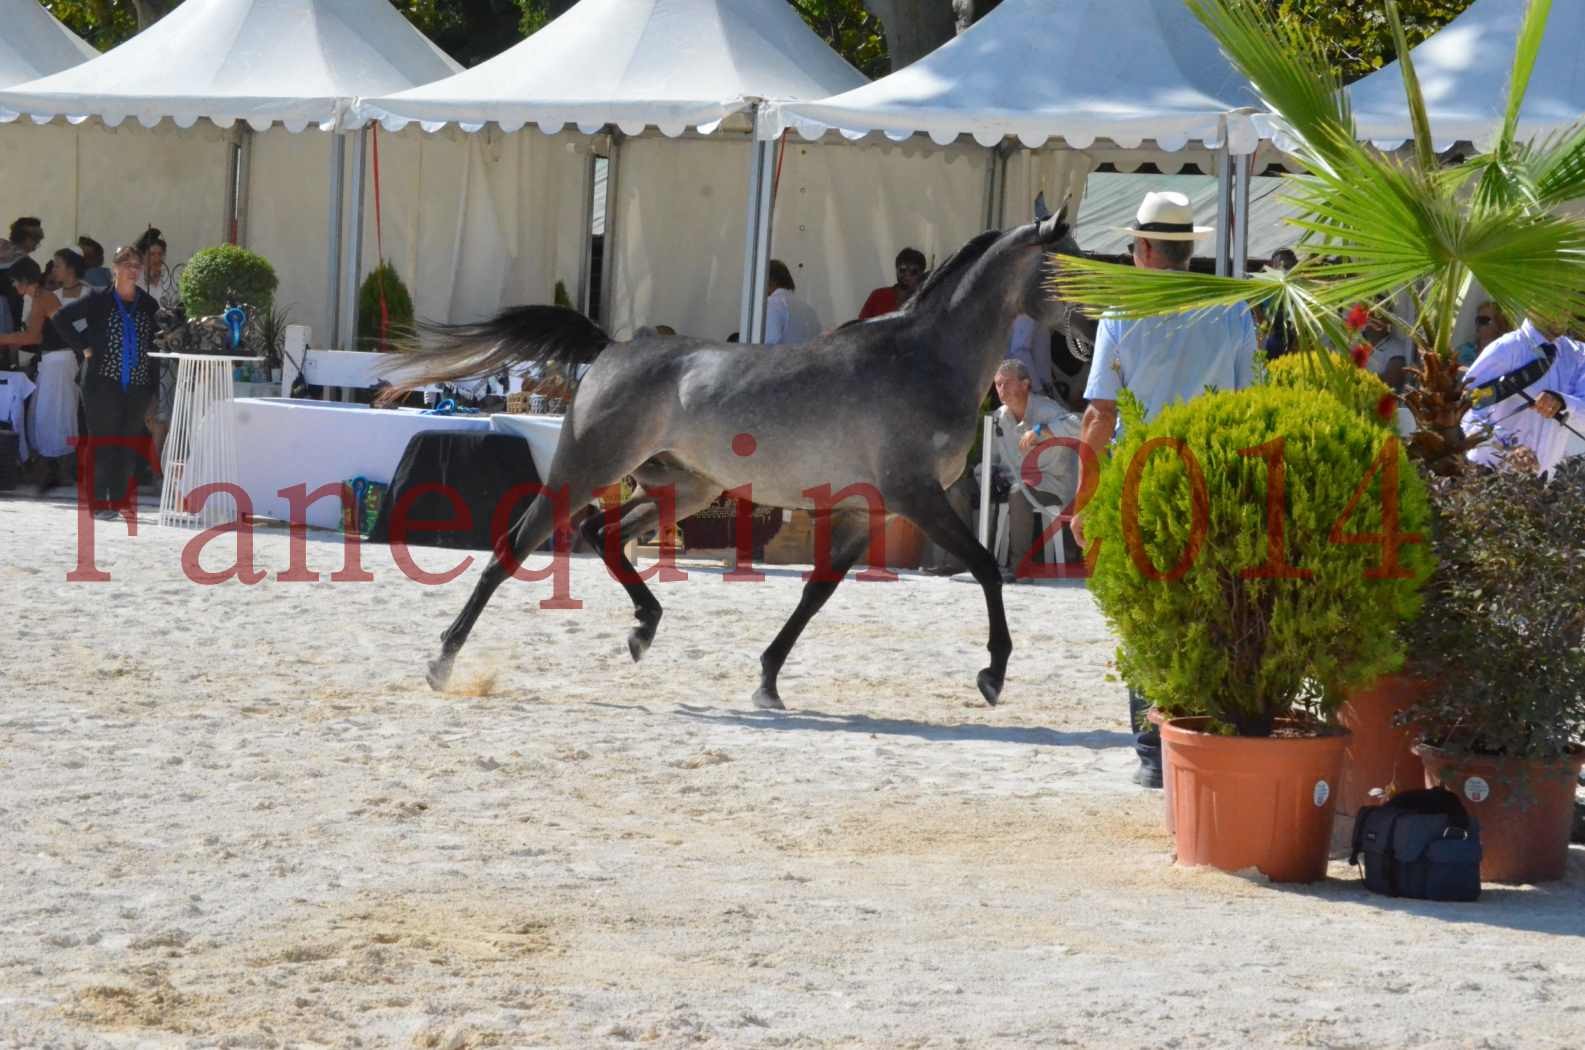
(767, 700)
(439, 674)
(638, 643)
(990, 686)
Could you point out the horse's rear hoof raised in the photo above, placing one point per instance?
(439, 674)
(990, 686)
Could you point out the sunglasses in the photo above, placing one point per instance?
(1483, 320)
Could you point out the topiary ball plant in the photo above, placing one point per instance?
(216, 276)
(398, 309)
(1357, 388)
(1257, 551)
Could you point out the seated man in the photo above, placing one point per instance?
(910, 271)
(1025, 420)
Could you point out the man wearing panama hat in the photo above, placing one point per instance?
(1170, 358)
(1165, 359)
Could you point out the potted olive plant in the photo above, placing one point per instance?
(1374, 228)
(1503, 636)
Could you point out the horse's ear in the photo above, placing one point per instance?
(1055, 228)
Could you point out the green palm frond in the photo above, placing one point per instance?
(1289, 70)
(1425, 150)
(1557, 168)
(1131, 292)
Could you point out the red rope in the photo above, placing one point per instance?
(379, 239)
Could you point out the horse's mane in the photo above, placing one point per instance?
(956, 263)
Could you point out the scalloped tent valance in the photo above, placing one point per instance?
(1463, 71)
(1119, 71)
(293, 62)
(635, 64)
(35, 44)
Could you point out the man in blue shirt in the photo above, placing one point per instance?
(1171, 358)
(1161, 361)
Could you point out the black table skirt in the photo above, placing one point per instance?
(481, 469)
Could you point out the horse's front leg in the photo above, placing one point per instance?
(926, 505)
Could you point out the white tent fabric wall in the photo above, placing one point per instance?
(475, 223)
(111, 183)
(472, 223)
(843, 211)
(35, 44)
(289, 220)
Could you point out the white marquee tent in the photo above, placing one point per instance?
(35, 44)
(1463, 71)
(634, 65)
(1103, 78)
(275, 66)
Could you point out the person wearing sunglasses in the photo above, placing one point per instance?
(888, 300)
(1490, 323)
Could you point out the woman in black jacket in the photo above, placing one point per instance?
(115, 329)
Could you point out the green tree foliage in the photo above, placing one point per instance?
(851, 30)
(103, 23)
(473, 30)
(383, 281)
(1357, 35)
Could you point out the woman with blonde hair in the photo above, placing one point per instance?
(115, 331)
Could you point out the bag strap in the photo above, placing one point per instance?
(1358, 845)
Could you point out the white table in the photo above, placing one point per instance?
(541, 432)
(282, 442)
(201, 448)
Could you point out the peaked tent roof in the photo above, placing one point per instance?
(299, 62)
(1081, 70)
(35, 44)
(632, 63)
(1463, 71)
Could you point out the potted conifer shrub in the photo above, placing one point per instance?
(1227, 560)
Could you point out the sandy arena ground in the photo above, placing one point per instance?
(236, 817)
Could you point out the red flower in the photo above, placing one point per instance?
(1387, 407)
(1361, 354)
(1358, 317)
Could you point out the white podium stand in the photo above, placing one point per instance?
(202, 382)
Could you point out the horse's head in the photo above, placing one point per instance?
(1034, 244)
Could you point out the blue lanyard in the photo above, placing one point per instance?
(129, 339)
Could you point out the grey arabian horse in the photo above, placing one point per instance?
(888, 407)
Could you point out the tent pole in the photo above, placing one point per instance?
(1224, 211)
(586, 253)
(1241, 215)
(760, 172)
(338, 158)
(762, 216)
(351, 272)
(613, 175)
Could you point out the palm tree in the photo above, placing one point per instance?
(1375, 227)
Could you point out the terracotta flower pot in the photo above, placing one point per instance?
(1379, 753)
(1263, 802)
(1525, 808)
(905, 544)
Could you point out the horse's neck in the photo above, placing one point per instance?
(977, 324)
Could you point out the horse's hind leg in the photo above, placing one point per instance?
(926, 506)
(850, 537)
(641, 513)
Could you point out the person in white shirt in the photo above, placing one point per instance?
(1514, 422)
(1025, 420)
(788, 319)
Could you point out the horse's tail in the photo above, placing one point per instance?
(554, 337)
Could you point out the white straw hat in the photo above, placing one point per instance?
(1166, 216)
